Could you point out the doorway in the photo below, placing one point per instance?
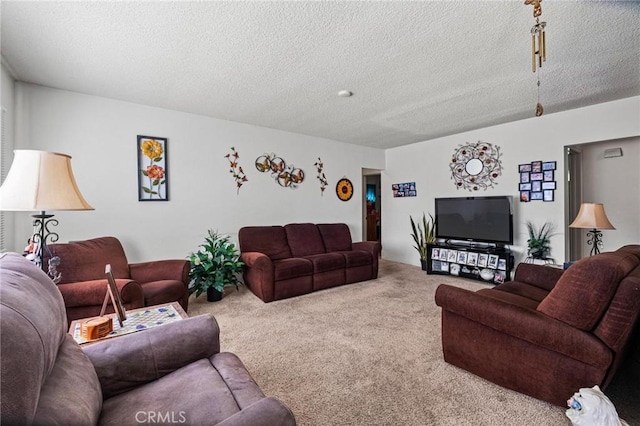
(372, 220)
(573, 239)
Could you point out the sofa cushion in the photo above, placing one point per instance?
(529, 291)
(355, 258)
(584, 291)
(85, 260)
(270, 240)
(304, 239)
(291, 268)
(511, 298)
(162, 291)
(326, 262)
(336, 236)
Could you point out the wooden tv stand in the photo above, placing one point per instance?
(487, 264)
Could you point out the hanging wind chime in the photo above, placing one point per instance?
(538, 47)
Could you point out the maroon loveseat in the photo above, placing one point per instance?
(298, 258)
(549, 332)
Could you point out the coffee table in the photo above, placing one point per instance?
(137, 320)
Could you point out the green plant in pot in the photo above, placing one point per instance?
(423, 233)
(214, 266)
(539, 242)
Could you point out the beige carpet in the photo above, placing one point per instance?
(365, 354)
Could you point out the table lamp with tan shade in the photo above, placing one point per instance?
(41, 181)
(592, 216)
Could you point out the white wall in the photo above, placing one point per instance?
(100, 135)
(539, 138)
(6, 103)
(615, 182)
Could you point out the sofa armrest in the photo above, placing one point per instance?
(258, 274)
(542, 276)
(372, 247)
(265, 412)
(524, 324)
(92, 293)
(126, 362)
(172, 269)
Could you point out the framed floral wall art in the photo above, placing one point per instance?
(152, 169)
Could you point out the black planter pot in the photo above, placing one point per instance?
(423, 264)
(213, 295)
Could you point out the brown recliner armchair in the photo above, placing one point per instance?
(83, 284)
(549, 332)
(173, 373)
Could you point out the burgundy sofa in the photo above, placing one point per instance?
(549, 332)
(83, 284)
(299, 258)
(170, 374)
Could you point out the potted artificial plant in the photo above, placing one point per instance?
(214, 266)
(539, 242)
(424, 233)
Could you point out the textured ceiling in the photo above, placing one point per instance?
(418, 70)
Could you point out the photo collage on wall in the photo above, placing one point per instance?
(407, 189)
(490, 267)
(537, 181)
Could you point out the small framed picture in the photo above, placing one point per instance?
(548, 195)
(472, 259)
(502, 264)
(436, 265)
(536, 196)
(435, 253)
(525, 186)
(482, 260)
(536, 186)
(549, 165)
(499, 277)
(444, 266)
(525, 196)
(524, 168)
(453, 256)
(444, 254)
(524, 177)
(114, 294)
(548, 176)
(549, 185)
(462, 257)
(536, 166)
(493, 261)
(536, 176)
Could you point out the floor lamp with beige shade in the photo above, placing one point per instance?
(41, 181)
(592, 216)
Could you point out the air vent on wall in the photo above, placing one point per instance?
(613, 152)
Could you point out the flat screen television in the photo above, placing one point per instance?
(475, 219)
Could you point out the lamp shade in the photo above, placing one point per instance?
(591, 216)
(39, 181)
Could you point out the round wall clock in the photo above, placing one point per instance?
(344, 189)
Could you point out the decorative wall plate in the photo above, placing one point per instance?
(344, 189)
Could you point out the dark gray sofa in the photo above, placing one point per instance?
(174, 373)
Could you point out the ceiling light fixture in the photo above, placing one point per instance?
(538, 46)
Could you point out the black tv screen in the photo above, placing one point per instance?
(482, 219)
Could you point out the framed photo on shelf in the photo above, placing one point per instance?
(444, 266)
(453, 256)
(493, 261)
(472, 259)
(462, 257)
(482, 260)
(502, 264)
(435, 253)
(444, 254)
